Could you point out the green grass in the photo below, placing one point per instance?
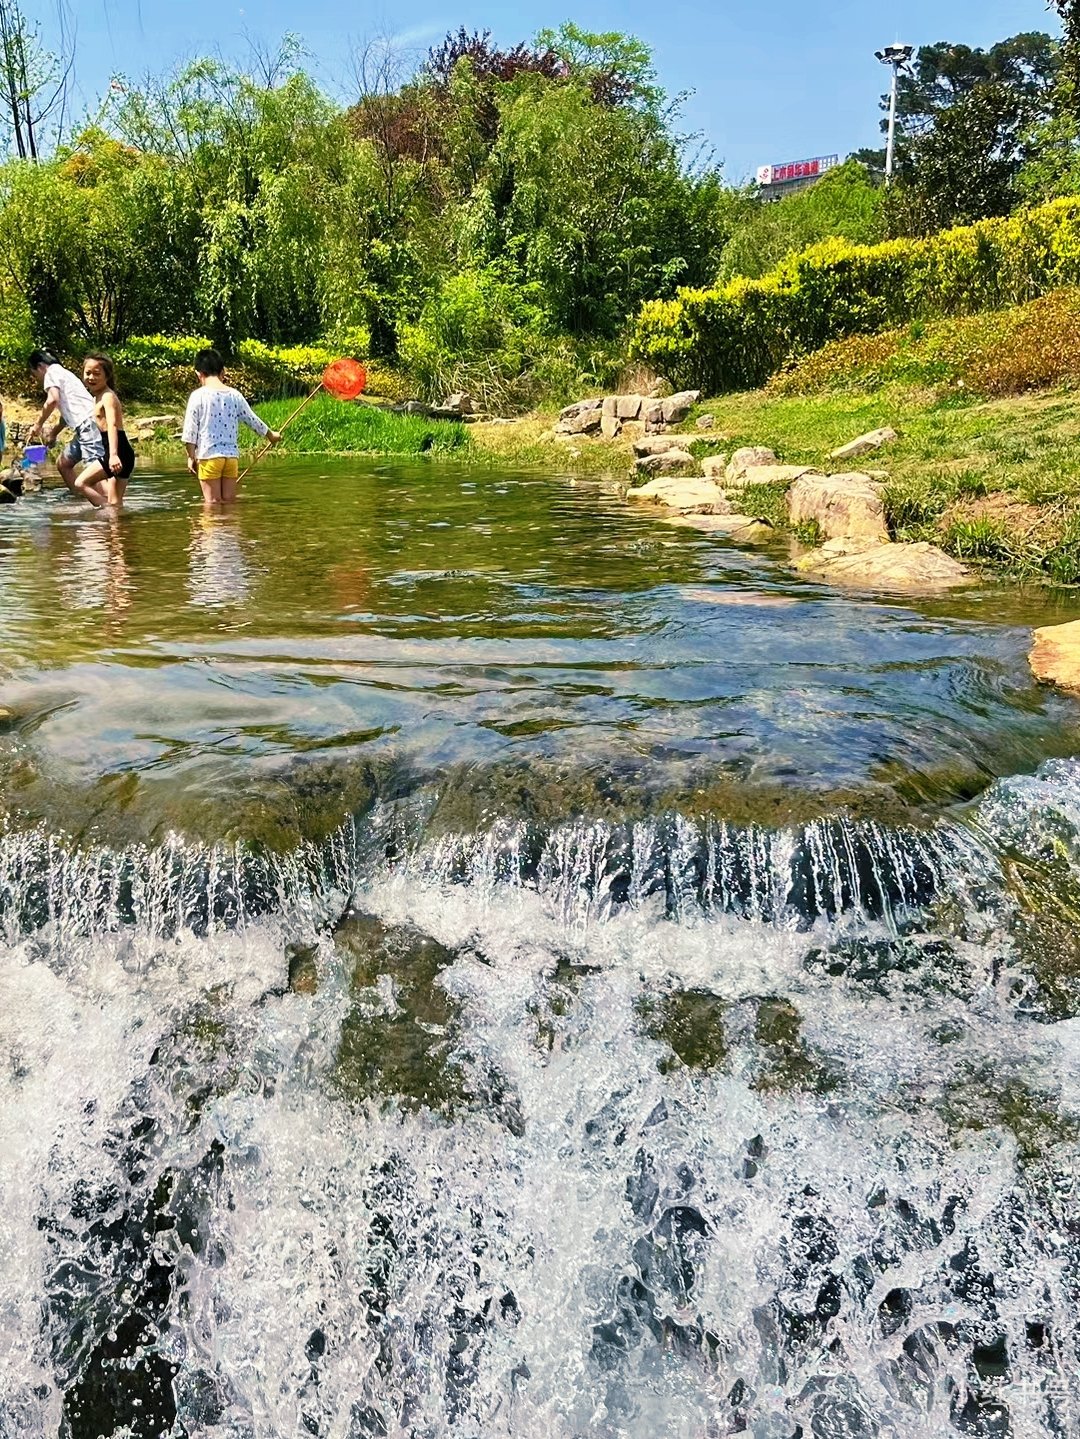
(334, 427)
(956, 456)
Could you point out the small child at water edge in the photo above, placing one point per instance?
(66, 393)
(215, 412)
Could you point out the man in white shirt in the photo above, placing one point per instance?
(66, 393)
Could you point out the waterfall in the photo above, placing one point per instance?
(668, 1126)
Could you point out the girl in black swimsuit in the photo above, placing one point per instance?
(100, 379)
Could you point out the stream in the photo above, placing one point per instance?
(476, 960)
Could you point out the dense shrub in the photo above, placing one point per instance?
(846, 203)
(159, 352)
(1003, 352)
(736, 336)
(480, 333)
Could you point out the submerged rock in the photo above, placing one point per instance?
(396, 1040)
(739, 527)
(1055, 655)
(789, 1064)
(691, 1023)
(687, 495)
(842, 506)
(403, 1038)
(917, 567)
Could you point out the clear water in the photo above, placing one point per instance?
(477, 961)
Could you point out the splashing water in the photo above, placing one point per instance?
(730, 1131)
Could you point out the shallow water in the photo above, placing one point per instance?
(477, 960)
(430, 617)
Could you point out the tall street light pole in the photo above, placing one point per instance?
(896, 57)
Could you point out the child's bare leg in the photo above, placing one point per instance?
(115, 490)
(90, 484)
(211, 492)
(67, 472)
(228, 489)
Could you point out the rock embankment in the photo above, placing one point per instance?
(614, 415)
(846, 510)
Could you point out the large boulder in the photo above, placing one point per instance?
(610, 426)
(628, 407)
(654, 445)
(581, 422)
(844, 507)
(714, 467)
(582, 407)
(865, 444)
(1055, 655)
(652, 415)
(461, 402)
(917, 568)
(671, 462)
(747, 458)
(686, 494)
(676, 407)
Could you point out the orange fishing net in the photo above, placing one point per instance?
(344, 379)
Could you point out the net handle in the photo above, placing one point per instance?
(269, 444)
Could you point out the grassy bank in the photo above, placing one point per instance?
(994, 482)
(329, 426)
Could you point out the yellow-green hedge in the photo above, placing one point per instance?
(737, 335)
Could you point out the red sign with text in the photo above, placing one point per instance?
(796, 170)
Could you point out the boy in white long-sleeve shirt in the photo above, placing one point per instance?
(215, 412)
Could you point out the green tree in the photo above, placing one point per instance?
(845, 203)
(966, 118)
(33, 82)
(259, 163)
(1069, 11)
(1021, 72)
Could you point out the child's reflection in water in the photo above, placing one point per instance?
(219, 571)
(95, 574)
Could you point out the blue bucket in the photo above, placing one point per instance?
(35, 455)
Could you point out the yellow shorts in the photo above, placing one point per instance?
(221, 469)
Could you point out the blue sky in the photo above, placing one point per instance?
(771, 82)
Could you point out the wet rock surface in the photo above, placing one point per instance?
(919, 567)
(403, 1039)
(1055, 655)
